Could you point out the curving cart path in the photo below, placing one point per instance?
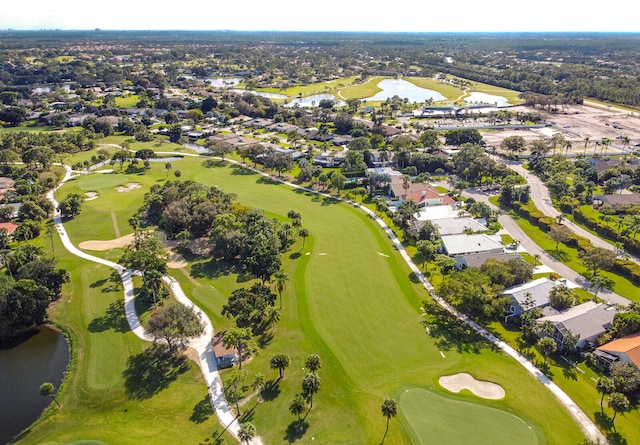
(202, 345)
(209, 367)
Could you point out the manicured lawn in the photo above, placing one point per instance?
(350, 299)
(116, 390)
(429, 414)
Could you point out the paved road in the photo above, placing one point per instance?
(202, 345)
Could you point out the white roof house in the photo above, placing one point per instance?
(462, 244)
(454, 226)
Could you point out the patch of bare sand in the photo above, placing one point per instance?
(458, 382)
(127, 188)
(100, 245)
(175, 260)
(91, 196)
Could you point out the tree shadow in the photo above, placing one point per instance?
(329, 201)
(242, 170)
(271, 390)
(544, 368)
(603, 421)
(215, 268)
(268, 181)
(98, 283)
(295, 255)
(559, 255)
(296, 431)
(114, 318)
(202, 411)
(450, 333)
(265, 338)
(213, 163)
(151, 371)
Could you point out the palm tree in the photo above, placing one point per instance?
(597, 281)
(389, 410)
(313, 363)
(47, 389)
(310, 386)
(586, 143)
(620, 404)
(246, 433)
(605, 385)
(298, 406)
(303, 233)
(280, 362)
(281, 279)
(259, 381)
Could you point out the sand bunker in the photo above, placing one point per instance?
(458, 382)
(127, 188)
(176, 260)
(100, 245)
(91, 196)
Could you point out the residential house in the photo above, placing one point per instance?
(617, 200)
(10, 227)
(527, 296)
(478, 259)
(454, 245)
(587, 321)
(625, 349)
(328, 159)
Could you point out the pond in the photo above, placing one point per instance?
(404, 89)
(484, 98)
(314, 101)
(43, 357)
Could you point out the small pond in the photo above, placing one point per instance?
(42, 357)
(404, 89)
(261, 94)
(314, 101)
(484, 98)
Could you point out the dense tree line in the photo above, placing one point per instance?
(31, 283)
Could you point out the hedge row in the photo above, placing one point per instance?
(625, 268)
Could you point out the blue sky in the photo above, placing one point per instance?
(327, 15)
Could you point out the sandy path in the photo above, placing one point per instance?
(114, 221)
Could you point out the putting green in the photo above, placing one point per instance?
(435, 418)
(101, 181)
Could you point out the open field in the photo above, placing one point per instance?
(351, 300)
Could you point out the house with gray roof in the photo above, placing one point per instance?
(527, 296)
(587, 321)
(478, 259)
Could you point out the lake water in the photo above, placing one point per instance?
(43, 357)
(314, 101)
(484, 98)
(404, 89)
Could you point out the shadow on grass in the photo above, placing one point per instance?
(559, 255)
(268, 181)
(450, 333)
(151, 371)
(215, 268)
(213, 163)
(329, 201)
(271, 390)
(202, 411)
(296, 431)
(114, 318)
(242, 170)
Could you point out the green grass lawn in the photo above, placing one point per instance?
(117, 390)
(428, 414)
(350, 299)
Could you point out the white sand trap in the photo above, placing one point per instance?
(127, 188)
(108, 244)
(91, 196)
(383, 254)
(322, 254)
(458, 382)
